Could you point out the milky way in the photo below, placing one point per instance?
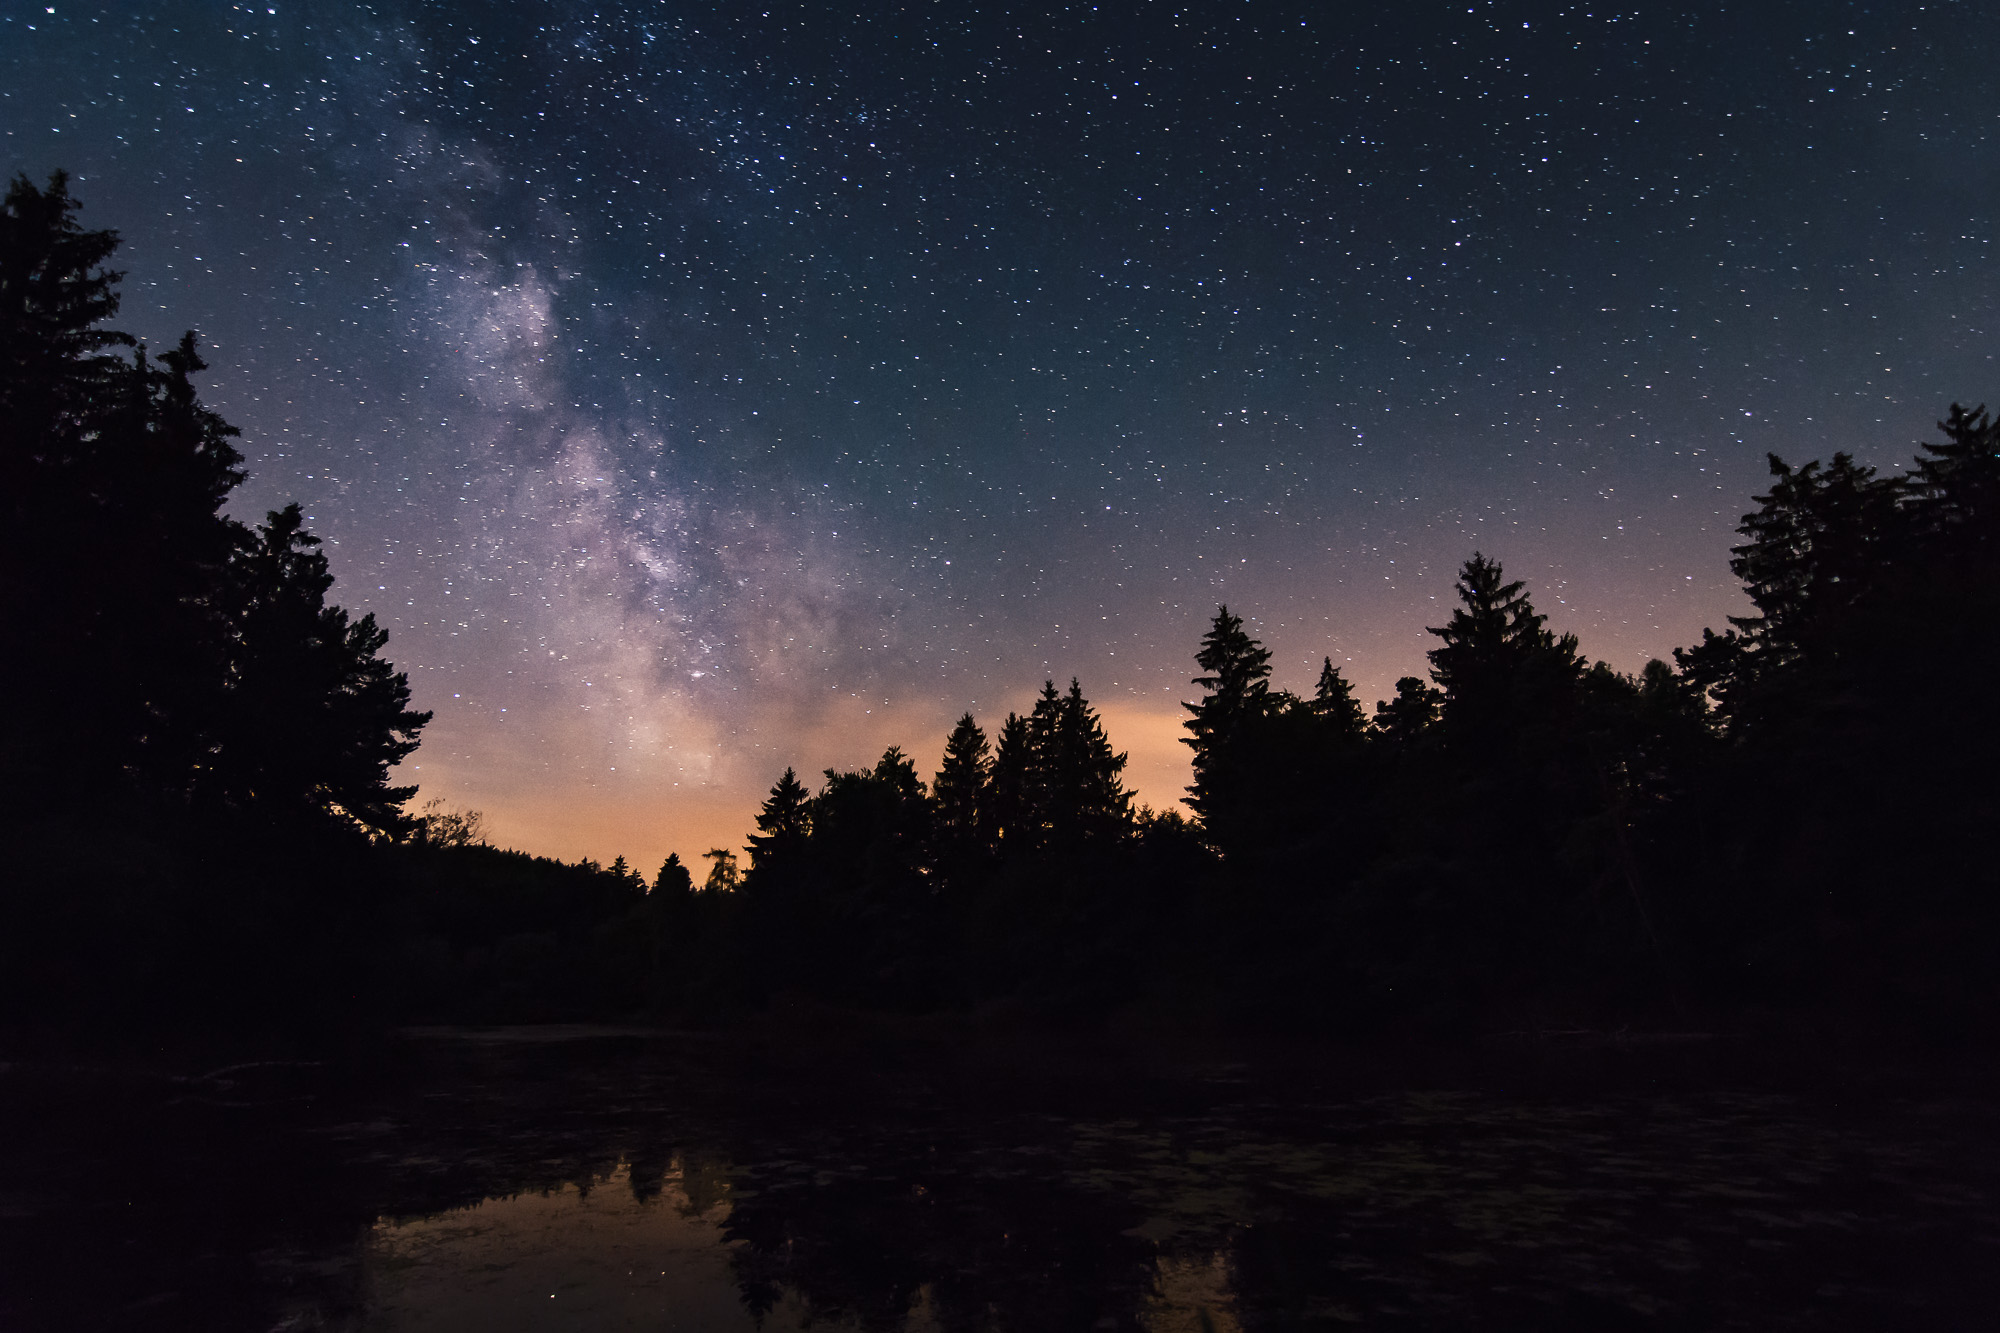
(694, 391)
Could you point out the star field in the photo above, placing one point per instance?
(697, 390)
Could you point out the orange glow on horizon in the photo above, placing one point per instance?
(644, 813)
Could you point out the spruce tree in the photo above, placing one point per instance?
(1087, 800)
(1334, 703)
(1954, 487)
(1818, 543)
(1044, 725)
(214, 669)
(54, 295)
(1499, 667)
(1055, 778)
(313, 717)
(1223, 726)
(960, 796)
(112, 479)
(1016, 808)
(1824, 542)
(784, 827)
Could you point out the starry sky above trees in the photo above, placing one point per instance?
(697, 390)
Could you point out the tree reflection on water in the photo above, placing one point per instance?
(627, 1250)
(599, 1184)
(688, 1249)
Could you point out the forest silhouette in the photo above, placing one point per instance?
(1794, 817)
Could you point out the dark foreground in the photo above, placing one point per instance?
(584, 1180)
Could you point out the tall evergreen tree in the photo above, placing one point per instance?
(1848, 714)
(1015, 805)
(54, 296)
(213, 665)
(144, 613)
(784, 828)
(1819, 546)
(1334, 703)
(112, 478)
(1086, 799)
(314, 717)
(1024, 776)
(961, 794)
(1236, 681)
(1816, 546)
(1055, 778)
(1499, 667)
(1954, 487)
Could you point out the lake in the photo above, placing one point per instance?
(596, 1179)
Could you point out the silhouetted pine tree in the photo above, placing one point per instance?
(1015, 789)
(1314, 777)
(1087, 800)
(1043, 721)
(1954, 487)
(784, 829)
(785, 892)
(1854, 756)
(1225, 727)
(214, 668)
(171, 679)
(111, 538)
(153, 585)
(1500, 668)
(961, 799)
(1820, 545)
(1945, 594)
(54, 376)
(313, 717)
(1816, 545)
(1334, 703)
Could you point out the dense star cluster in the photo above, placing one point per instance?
(698, 390)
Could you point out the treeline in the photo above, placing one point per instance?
(1792, 817)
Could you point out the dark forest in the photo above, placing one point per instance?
(1788, 823)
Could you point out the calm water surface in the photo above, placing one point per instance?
(510, 1181)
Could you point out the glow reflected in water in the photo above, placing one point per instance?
(589, 1186)
(616, 1254)
(608, 1256)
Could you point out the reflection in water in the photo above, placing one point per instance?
(1406, 1210)
(1192, 1295)
(595, 1186)
(623, 1251)
(616, 1252)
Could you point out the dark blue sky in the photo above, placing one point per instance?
(694, 390)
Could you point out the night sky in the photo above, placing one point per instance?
(697, 390)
